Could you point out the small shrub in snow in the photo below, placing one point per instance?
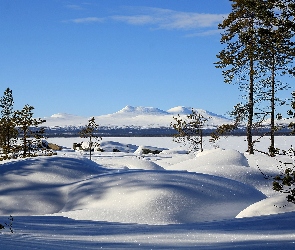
(89, 132)
(189, 130)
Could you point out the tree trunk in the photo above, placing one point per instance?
(90, 147)
(201, 141)
(250, 108)
(25, 137)
(272, 105)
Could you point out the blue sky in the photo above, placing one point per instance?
(94, 57)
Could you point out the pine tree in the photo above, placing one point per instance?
(89, 132)
(189, 130)
(277, 57)
(27, 126)
(239, 60)
(6, 103)
(8, 132)
(258, 35)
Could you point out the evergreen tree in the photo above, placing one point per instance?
(6, 103)
(8, 132)
(258, 35)
(239, 60)
(89, 132)
(189, 130)
(27, 126)
(277, 58)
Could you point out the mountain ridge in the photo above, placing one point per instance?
(130, 116)
(135, 121)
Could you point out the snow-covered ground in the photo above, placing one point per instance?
(215, 199)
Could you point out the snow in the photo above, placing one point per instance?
(158, 198)
(215, 199)
(268, 206)
(181, 110)
(133, 111)
(130, 116)
(140, 149)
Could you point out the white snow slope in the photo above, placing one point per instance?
(216, 199)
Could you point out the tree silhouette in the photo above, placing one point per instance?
(8, 132)
(27, 128)
(277, 57)
(89, 132)
(259, 47)
(189, 130)
(239, 59)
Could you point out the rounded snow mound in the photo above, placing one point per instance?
(34, 186)
(150, 197)
(229, 164)
(80, 189)
(212, 159)
(273, 205)
(222, 157)
(131, 163)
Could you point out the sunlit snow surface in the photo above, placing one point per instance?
(216, 199)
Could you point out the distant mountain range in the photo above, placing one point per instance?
(130, 120)
(136, 121)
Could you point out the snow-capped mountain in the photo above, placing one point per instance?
(135, 111)
(136, 121)
(129, 116)
(181, 110)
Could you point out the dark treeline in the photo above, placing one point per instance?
(20, 133)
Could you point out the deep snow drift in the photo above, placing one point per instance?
(214, 199)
